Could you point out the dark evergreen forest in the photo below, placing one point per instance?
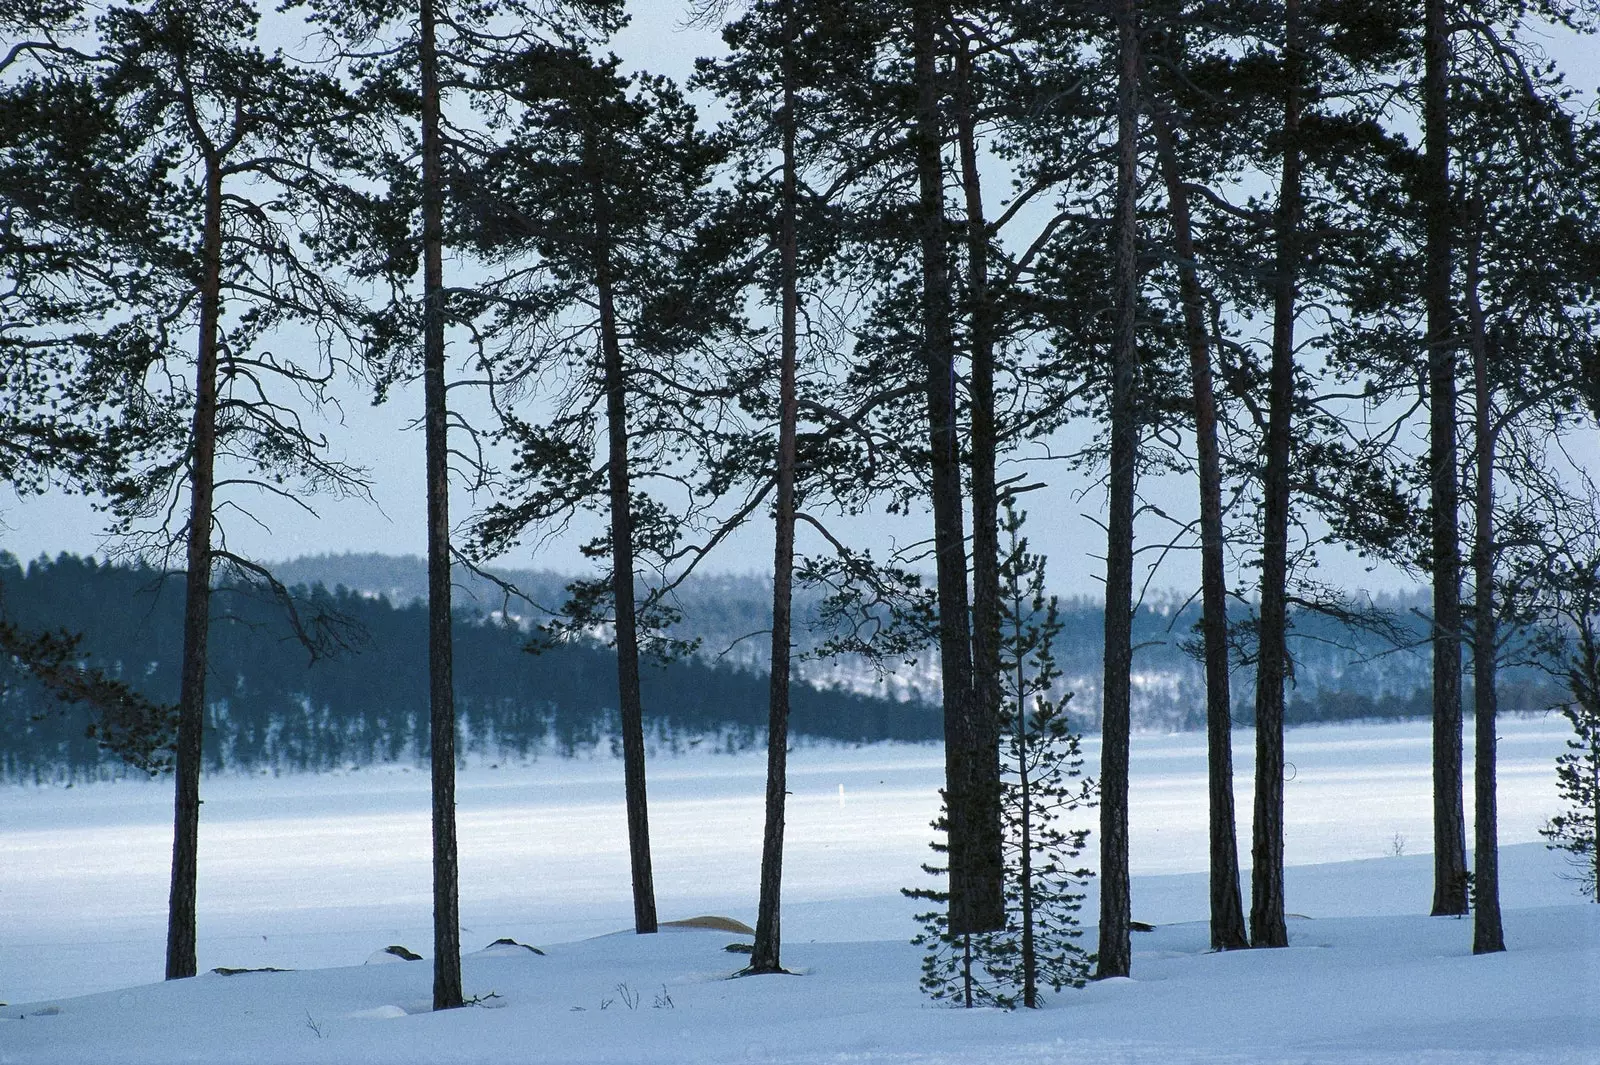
(271, 707)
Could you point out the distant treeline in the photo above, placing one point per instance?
(271, 707)
(1340, 672)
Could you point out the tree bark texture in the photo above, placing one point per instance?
(1488, 935)
(441, 699)
(977, 899)
(182, 959)
(630, 700)
(766, 955)
(1227, 909)
(1449, 831)
(1116, 946)
(1267, 928)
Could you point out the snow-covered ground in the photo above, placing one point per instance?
(316, 873)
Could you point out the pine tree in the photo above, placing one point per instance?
(422, 69)
(209, 163)
(1531, 311)
(766, 953)
(1578, 770)
(1570, 646)
(592, 200)
(1116, 949)
(1227, 912)
(1040, 765)
(1440, 357)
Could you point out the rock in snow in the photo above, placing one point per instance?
(506, 945)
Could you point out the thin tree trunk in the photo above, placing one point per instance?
(441, 701)
(987, 837)
(1227, 908)
(181, 916)
(1267, 927)
(977, 901)
(966, 970)
(1488, 936)
(1449, 831)
(1116, 946)
(630, 701)
(1030, 958)
(765, 956)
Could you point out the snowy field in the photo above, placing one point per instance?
(317, 873)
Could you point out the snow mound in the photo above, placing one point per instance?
(377, 1013)
(393, 952)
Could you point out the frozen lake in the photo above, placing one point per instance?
(318, 871)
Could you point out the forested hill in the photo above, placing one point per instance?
(1339, 673)
(271, 707)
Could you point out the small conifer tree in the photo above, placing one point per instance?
(1578, 780)
(1041, 765)
(1578, 770)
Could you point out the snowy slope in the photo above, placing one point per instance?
(315, 874)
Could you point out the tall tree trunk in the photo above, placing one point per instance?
(1449, 831)
(1116, 904)
(1267, 927)
(765, 956)
(441, 698)
(630, 701)
(181, 951)
(1488, 936)
(1227, 908)
(983, 443)
(977, 899)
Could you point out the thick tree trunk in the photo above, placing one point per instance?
(441, 699)
(986, 685)
(765, 956)
(1116, 904)
(1449, 831)
(630, 701)
(1227, 909)
(977, 900)
(1267, 927)
(181, 950)
(1488, 936)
